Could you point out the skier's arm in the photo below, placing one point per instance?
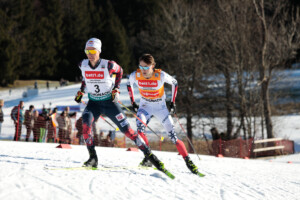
(172, 81)
(130, 87)
(114, 68)
(82, 87)
(80, 93)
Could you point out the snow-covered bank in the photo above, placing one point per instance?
(23, 176)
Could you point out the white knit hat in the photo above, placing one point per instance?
(94, 42)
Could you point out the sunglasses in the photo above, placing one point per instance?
(93, 51)
(144, 68)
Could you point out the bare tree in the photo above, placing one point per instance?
(230, 52)
(199, 40)
(239, 45)
(278, 40)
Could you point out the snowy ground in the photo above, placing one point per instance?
(22, 173)
(23, 176)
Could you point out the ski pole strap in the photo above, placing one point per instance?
(161, 138)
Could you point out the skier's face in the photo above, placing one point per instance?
(92, 54)
(147, 69)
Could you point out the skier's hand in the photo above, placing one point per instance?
(79, 96)
(135, 107)
(172, 108)
(115, 95)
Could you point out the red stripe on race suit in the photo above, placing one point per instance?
(130, 92)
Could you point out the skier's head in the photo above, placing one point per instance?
(148, 59)
(146, 64)
(93, 50)
(95, 43)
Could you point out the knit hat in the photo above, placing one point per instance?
(94, 42)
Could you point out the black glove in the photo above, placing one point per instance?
(79, 96)
(172, 108)
(135, 107)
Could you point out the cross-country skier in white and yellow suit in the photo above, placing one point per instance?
(150, 82)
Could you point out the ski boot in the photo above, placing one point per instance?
(146, 162)
(192, 167)
(158, 164)
(93, 160)
(155, 161)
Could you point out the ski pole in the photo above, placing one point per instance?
(117, 129)
(161, 138)
(187, 136)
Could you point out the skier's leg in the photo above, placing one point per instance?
(87, 119)
(168, 124)
(144, 115)
(166, 120)
(145, 149)
(116, 114)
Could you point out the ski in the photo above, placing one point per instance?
(168, 173)
(165, 171)
(200, 174)
(71, 168)
(102, 168)
(108, 168)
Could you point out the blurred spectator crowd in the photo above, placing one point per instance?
(47, 125)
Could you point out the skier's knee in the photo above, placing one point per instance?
(141, 127)
(131, 134)
(87, 118)
(172, 136)
(87, 136)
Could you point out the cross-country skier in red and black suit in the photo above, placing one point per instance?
(103, 94)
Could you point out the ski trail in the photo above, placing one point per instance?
(22, 176)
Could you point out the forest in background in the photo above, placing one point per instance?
(45, 39)
(222, 53)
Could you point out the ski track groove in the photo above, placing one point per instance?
(59, 187)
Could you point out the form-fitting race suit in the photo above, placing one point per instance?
(99, 82)
(153, 103)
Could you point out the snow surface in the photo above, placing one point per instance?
(22, 173)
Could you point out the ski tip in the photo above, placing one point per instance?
(169, 174)
(172, 177)
(200, 174)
